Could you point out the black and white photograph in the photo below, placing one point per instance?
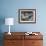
(27, 15)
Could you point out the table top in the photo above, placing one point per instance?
(22, 35)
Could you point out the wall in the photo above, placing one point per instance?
(9, 8)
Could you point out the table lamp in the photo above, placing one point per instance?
(9, 21)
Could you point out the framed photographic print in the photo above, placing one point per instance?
(27, 15)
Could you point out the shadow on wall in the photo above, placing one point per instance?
(2, 21)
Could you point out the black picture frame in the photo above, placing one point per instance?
(27, 16)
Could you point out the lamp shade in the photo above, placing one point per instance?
(9, 21)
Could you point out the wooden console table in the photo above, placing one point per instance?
(20, 39)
